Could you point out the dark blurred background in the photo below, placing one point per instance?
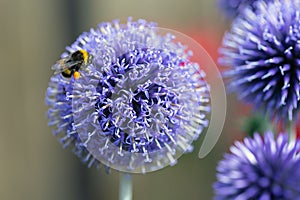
(33, 165)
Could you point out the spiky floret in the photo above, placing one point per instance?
(263, 52)
(60, 115)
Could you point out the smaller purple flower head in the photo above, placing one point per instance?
(260, 168)
(233, 8)
(262, 50)
(139, 102)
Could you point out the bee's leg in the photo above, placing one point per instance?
(76, 75)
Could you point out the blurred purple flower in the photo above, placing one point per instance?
(232, 8)
(262, 50)
(138, 105)
(260, 168)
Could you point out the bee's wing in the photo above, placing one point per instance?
(60, 66)
(63, 64)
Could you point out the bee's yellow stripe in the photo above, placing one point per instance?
(85, 55)
(67, 71)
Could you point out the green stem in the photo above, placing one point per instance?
(125, 187)
(291, 130)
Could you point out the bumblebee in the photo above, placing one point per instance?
(70, 65)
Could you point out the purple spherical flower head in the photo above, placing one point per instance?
(263, 51)
(260, 168)
(139, 103)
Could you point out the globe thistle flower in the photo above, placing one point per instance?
(233, 8)
(138, 104)
(260, 168)
(262, 50)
